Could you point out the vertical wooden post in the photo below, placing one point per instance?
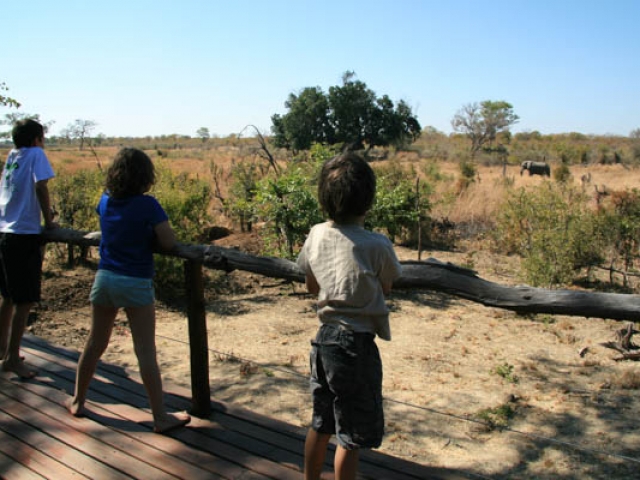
(419, 218)
(198, 342)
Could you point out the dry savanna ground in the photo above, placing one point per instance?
(469, 387)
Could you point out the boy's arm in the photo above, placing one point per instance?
(42, 192)
(311, 283)
(391, 270)
(386, 287)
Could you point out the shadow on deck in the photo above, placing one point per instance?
(39, 439)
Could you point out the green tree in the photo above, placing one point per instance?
(482, 122)
(203, 133)
(306, 123)
(349, 114)
(79, 130)
(5, 100)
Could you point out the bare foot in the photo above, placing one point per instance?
(19, 368)
(75, 407)
(170, 421)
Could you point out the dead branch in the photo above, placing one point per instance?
(624, 345)
(426, 275)
(264, 149)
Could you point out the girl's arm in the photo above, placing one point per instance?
(165, 236)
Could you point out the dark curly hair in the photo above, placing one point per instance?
(26, 132)
(347, 187)
(131, 173)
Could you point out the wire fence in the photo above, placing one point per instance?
(461, 418)
(428, 410)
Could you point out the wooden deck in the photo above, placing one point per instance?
(39, 439)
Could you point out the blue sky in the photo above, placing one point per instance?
(140, 67)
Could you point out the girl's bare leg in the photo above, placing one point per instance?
(102, 320)
(6, 314)
(143, 330)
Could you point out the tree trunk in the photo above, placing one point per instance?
(431, 274)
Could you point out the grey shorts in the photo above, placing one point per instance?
(346, 386)
(112, 289)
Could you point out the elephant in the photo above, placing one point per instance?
(536, 168)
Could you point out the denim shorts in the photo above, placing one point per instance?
(346, 386)
(20, 267)
(112, 289)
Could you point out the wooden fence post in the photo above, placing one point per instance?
(198, 341)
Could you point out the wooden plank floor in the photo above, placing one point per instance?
(39, 439)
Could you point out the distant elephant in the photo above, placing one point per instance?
(536, 168)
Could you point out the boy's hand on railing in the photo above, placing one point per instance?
(51, 225)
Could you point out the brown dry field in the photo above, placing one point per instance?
(573, 416)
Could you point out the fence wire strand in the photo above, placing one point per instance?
(571, 445)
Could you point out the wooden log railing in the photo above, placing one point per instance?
(430, 275)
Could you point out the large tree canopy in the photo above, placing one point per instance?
(482, 122)
(350, 114)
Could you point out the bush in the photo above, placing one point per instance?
(553, 230)
(239, 205)
(468, 173)
(398, 206)
(620, 225)
(75, 196)
(288, 203)
(186, 201)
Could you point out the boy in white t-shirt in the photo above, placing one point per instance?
(24, 196)
(350, 269)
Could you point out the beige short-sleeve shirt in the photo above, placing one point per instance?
(350, 264)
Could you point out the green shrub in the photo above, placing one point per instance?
(186, 201)
(75, 196)
(239, 205)
(288, 204)
(468, 173)
(552, 229)
(398, 205)
(562, 174)
(620, 226)
(505, 371)
(498, 417)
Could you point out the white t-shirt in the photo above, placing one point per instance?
(350, 264)
(19, 206)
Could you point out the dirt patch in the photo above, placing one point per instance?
(469, 387)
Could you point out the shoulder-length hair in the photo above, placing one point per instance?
(131, 173)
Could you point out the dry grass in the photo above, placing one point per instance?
(477, 204)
